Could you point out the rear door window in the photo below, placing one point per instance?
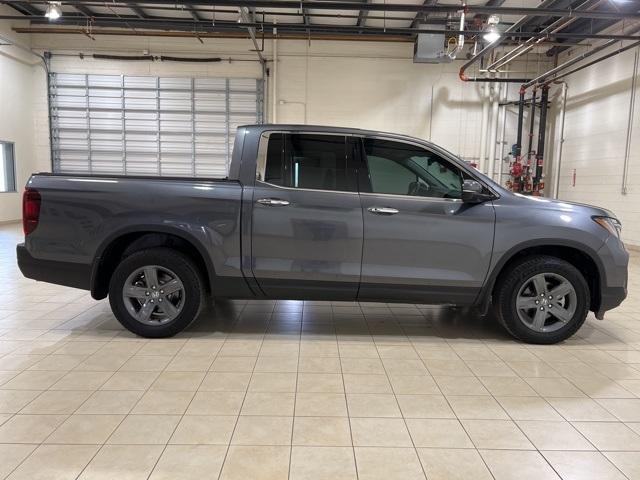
(308, 161)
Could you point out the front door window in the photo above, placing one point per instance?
(403, 169)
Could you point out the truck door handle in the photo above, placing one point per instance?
(273, 202)
(383, 210)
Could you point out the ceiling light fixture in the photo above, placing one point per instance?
(54, 11)
(492, 33)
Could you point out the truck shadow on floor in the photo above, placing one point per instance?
(322, 321)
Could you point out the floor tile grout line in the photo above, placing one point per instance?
(295, 395)
(571, 349)
(101, 447)
(404, 420)
(183, 414)
(67, 417)
(346, 401)
(515, 422)
(233, 431)
(475, 447)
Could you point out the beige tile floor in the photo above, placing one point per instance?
(275, 390)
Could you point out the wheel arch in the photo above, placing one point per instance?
(584, 258)
(127, 241)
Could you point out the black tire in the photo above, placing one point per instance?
(513, 279)
(169, 259)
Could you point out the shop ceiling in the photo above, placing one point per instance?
(365, 20)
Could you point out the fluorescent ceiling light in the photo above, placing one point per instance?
(54, 11)
(491, 35)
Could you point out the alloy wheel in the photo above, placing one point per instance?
(153, 295)
(546, 302)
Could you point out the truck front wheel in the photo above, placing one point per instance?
(156, 293)
(542, 299)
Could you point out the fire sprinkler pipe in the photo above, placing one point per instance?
(482, 157)
(460, 44)
(557, 162)
(503, 121)
(518, 149)
(532, 121)
(632, 108)
(542, 130)
(493, 45)
(493, 129)
(593, 62)
(573, 61)
(555, 27)
(274, 94)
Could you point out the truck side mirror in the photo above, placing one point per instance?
(472, 192)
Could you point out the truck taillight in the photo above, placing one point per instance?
(30, 210)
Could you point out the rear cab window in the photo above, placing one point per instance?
(307, 161)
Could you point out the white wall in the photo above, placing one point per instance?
(356, 84)
(18, 71)
(595, 139)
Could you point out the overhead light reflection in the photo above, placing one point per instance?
(54, 11)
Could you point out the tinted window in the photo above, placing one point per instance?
(274, 171)
(7, 167)
(402, 169)
(317, 162)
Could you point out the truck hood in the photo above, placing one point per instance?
(561, 205)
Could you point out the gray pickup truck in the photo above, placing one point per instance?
(319, 213)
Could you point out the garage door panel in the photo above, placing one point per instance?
(70, 79)
(140, 103)
(241, 85)
(73, 144)
(210, 83)
(110, 103)
(175, 83)
(132, 81)
(113, 81)
(142, 125)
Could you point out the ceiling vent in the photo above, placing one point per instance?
(430, 47)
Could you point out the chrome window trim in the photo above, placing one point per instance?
(445, 155)
(264, 140)
(294, 189)
(412, 197)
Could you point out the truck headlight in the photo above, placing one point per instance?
(612, 225)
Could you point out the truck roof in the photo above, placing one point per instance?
(261, 127)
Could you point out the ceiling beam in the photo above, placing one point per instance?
(422, 16)
(195, 15)
(362, 16)
(381, 7)
(159, 23)
(585, 25)
(203, 14)
(48, 30)
(25, 8)
(138, 11)
(84, 10)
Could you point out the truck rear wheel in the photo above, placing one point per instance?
(156, 293)
(542, 299)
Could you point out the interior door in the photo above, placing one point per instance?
(306, 238)
(421, 243)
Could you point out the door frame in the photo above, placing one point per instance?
(458, 295)
(260, 167)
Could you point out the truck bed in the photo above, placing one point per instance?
(82, 214)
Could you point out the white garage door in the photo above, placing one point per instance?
(130, 125)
